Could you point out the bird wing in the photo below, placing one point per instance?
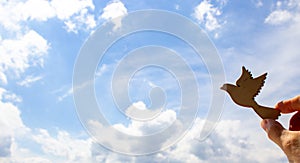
(250, 85)
(257, 84)
(246, 75)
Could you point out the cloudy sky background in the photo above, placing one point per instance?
(39, 44)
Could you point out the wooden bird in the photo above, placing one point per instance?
(246, 89)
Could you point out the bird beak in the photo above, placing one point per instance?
(224, 87)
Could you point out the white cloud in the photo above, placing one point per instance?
(8, 18)
(140, 128)
(20, 49)
(114, 11)
(207, 15)
(140, 111)
(10, 120)
(139, 105)
(144, 130)
(35, 10)
(44, 147)
(63, 145)
(70, 26)
(17, 55)
(80, 21)
(28, 160)
(11, 123)
(5, 145)
(65, 9)
(74, 13)
(232, 141)
(13, 13)
(8, 96)
(3, 78)
(278, 17)
(285, 12)
(29, 80)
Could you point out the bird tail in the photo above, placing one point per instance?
(266, 112)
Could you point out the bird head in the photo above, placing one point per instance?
(228, 87)
(224, 87)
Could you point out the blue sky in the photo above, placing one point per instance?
(40, 41)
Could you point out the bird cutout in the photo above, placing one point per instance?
(246, 89)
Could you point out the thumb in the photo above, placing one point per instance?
(274, 130)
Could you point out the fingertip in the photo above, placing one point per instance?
(266, 124)
(263, 124)
(279, 105)
(284, 106)
(273, 129)
(271, 126)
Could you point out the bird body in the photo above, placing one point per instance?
(240, 96)
(246, 89)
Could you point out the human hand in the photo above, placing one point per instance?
(287, 140)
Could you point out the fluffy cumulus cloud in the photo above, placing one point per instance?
(34, 10)
(278, 17)
(10, 120)
(139, 128)
(207, 14)
(232, 141)
(17, 55)
(22, 48)
(114, 11)
(120, 137)
(63, 145)
(11, 123)
(285, 12)
(229, 143)
(74, 13)
(60, 147)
